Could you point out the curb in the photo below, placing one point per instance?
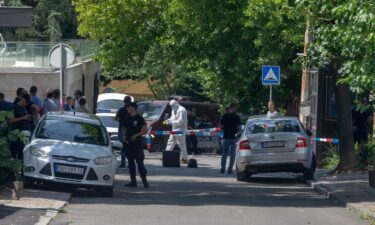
(53, 211)
(357, 208)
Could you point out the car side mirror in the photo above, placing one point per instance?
(309, 133)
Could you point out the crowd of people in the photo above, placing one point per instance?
(28, 108)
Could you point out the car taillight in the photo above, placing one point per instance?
(301, 142)
(244, 145)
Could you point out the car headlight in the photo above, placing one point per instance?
(103, 160)
(38, 153)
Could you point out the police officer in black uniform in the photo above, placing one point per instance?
(133, 129)
(21, 121)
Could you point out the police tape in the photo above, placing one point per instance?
(211, 132)
(326, 140)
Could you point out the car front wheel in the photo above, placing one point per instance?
(107, 192)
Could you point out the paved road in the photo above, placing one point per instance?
(204, 196)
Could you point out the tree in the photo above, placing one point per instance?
(130, 33)
(344, 40)
(144, 39)
(228, 53)
(53, 20)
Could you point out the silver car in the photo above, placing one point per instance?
(279, 144)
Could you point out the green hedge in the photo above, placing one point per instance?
(9, 168)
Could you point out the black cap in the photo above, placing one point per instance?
(127, 99)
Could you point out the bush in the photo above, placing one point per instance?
(330, 158)
(9, 168)
(369, 148)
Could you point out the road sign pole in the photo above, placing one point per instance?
(62, 65)
(270, 92)
(61, 58)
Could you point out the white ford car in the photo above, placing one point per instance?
(71, 149)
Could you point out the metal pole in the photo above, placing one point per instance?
(270, 92)
(62, 56)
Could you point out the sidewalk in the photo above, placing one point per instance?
(350, 189)
(36, 207)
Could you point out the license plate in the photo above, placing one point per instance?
(205, 138)
(273, 144)
(69, 169)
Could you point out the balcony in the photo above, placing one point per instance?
(33, 56)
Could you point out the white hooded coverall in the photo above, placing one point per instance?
(179, 122)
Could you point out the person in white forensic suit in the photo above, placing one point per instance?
(179, 122)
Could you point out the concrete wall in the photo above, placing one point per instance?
(9, 82)
(78, 76)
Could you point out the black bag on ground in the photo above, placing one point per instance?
(192, 163)
(171, 159)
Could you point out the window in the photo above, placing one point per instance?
(271, 126)
(150, 111)
(72, 131)
(109, 121)
(110, 104)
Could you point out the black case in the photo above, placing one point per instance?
(171, 159)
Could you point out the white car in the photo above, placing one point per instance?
(111, 102)
(108, 120)
(72, 149)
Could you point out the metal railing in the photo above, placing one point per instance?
(35, 54)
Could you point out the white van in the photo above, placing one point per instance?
(111, 102)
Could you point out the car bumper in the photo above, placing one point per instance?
(286, 162)
(45, 170)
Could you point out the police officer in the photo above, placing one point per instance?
(133, 129)
(121, 115)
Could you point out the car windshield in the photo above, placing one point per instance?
(111, 104)
(150, 111)
(259, 126)
(109, 121)
(72, 131)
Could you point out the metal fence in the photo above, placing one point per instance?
(35, 54)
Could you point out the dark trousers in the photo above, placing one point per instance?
(135, 154)
(16, 149)
(191, 143)
(123, 154)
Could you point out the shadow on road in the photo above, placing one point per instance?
(15, 215)
(206, 186)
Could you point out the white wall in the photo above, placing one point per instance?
(12, 78)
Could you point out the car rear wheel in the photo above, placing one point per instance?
(242, 176)
(309, 173)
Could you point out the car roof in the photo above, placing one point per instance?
(105, 114)
(81, 117)
(116, 96)
(265, 117)
(183, 103)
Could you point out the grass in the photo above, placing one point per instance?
(330, 158)
(62, 210)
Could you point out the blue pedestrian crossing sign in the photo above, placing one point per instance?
(270, 75)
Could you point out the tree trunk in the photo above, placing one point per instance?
(344, 123)
(149, 84)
